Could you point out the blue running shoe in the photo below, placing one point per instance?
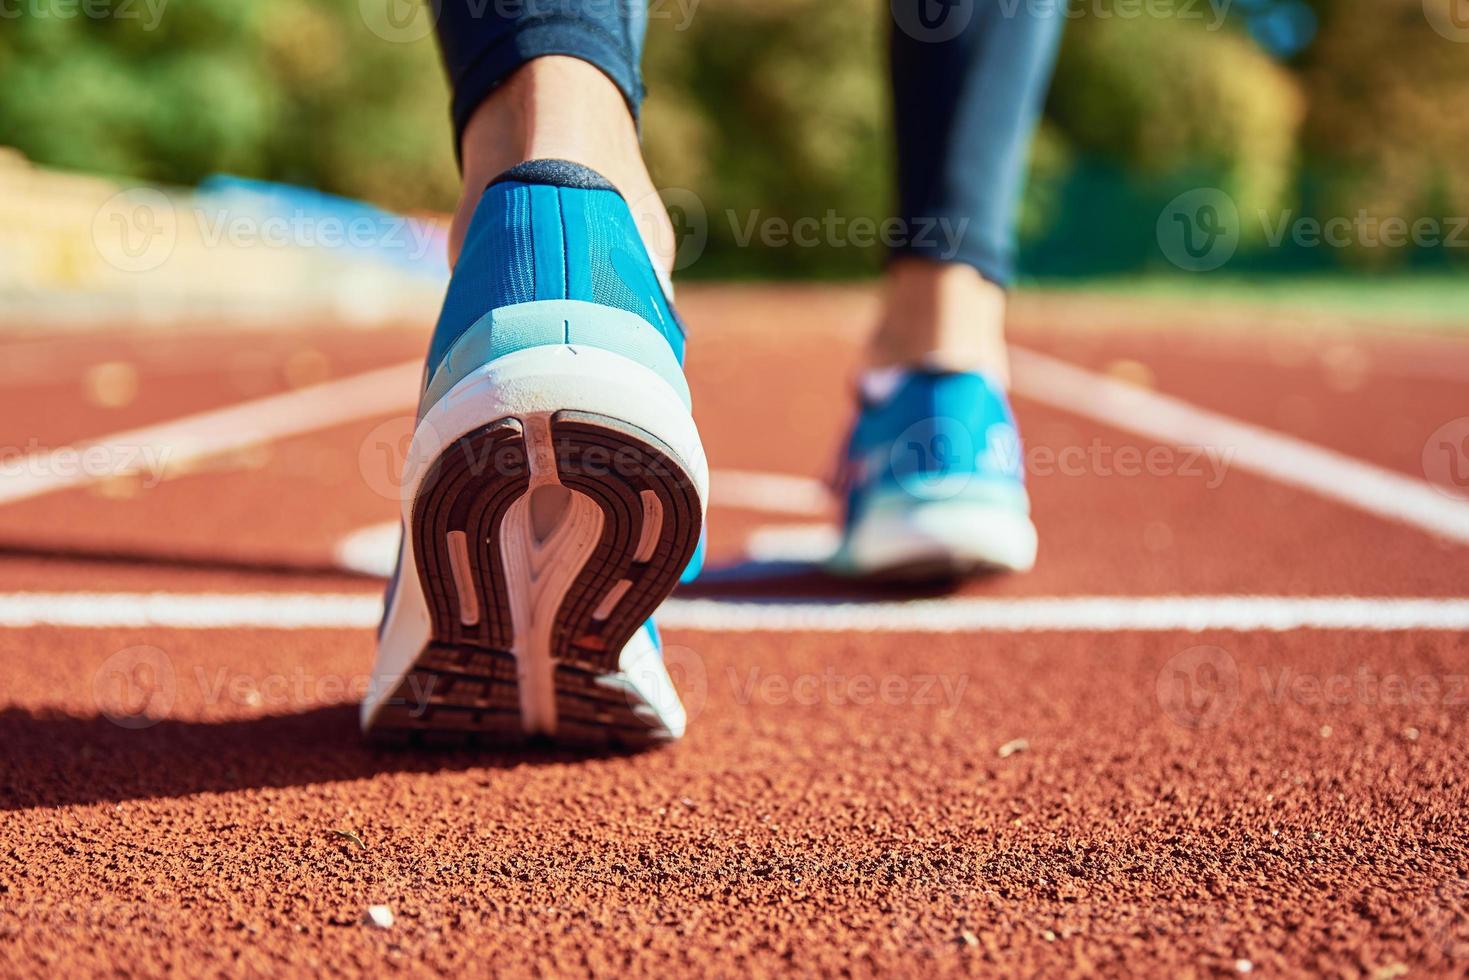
(555, 487)
(934, 481)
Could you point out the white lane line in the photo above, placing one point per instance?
(212, 433)
(371, 550)
(157, 448)
(1279, 457)
(1100, 614)
(811, 544)
(294, 611)
(190, 611)
(1165, 419)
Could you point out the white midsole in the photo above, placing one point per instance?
(528, 385)
(958, 533)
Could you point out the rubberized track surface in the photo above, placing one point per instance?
(1058, 799)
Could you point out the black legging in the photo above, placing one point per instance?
(968, 77)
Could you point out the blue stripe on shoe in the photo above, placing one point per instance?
(548, 245)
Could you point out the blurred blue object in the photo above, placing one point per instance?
(290, 216)
(1283, 29)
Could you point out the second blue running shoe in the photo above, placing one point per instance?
(555, 487)
(934, 480)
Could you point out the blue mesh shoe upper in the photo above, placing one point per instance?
(937, 436)
(552, 230)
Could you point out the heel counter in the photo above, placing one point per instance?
(539, 242)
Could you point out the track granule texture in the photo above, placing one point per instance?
(199, 802)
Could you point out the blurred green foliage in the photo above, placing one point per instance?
(1387, 131)
(1163, 97)
(292, 90)
(777, 109)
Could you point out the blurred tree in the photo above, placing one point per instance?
(771, 111)
(1387, 134)
(1163, 97)
(766, 110)
(296, 90)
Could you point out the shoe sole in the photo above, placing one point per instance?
(540, 542)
